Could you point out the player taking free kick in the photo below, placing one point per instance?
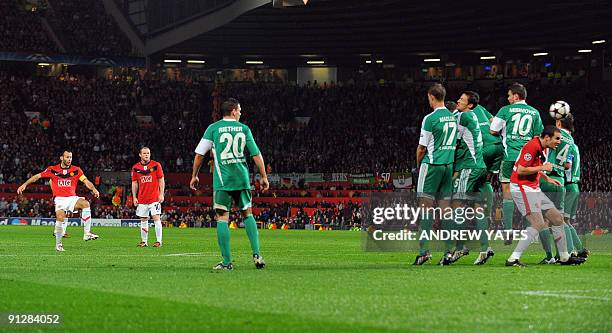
(64, 180)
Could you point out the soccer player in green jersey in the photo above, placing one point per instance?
(517, 123)
(492, 153)
(558, 158)
(227, 138)
(434, 156)
(572, 193)
(470, 175)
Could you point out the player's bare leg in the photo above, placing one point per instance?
(251, 229)
(60, 216)
(144, 232)
(158, 230)
(83, 205)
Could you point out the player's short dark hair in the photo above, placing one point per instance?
(519, 89)
(438, 92)
(568, 122)
(228, 106)
(143, 147)
(550, 131)
(65, 151)
(450, 105)
(473, 98)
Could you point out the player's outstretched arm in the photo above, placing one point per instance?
(197, 164)
(135, 193)
(32, 179)
(91, 187)
(259, 162)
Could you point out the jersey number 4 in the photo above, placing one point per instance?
(234, 148)
(562, 154)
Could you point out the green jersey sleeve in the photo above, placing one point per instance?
(208, 134)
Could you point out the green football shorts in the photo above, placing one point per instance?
(468, 183)
(223, 199)
(435, 181)
(493, 156)
(572, 194)
(506, 171)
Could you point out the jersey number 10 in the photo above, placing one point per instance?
(522, 124)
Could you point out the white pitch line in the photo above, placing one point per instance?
(551, 294)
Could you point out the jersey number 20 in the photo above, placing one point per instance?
(234, 147)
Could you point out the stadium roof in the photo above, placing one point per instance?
(346, 29)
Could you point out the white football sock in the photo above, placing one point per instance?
(144, 231)
(560, 240)
(65, 226)
(158, 230)
(523, 244)
(86, 220)
(59, 232)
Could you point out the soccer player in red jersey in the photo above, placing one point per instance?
(531, 201)
(148, 194)
(64, 181)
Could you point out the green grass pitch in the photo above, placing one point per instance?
(315, 281)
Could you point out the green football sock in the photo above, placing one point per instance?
(577, 242)
(425, 225)
(568, 238)
(483, 225)
(460, 243)
(448, 243)
(508, 207)
(223, 238)
(251, 230)
(546, 239)
(487, 189)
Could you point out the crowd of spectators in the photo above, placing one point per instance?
(97, 119)
(82, 27)
(87, 29)
(22, 31)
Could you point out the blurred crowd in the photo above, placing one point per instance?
(82, 28)
(22, 31)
